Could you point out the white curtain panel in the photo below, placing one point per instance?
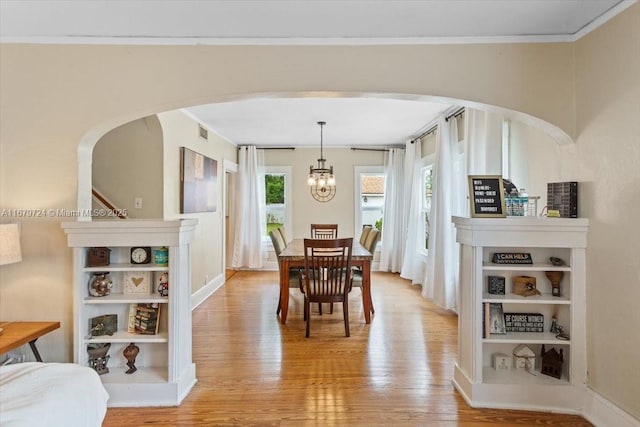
(439, 284)
(394, 224)
(412, 264)
(250, 223)
(484, 142)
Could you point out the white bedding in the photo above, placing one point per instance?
(52, 395)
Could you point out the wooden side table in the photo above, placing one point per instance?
(16, 334)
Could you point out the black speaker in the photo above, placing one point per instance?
(563, 197)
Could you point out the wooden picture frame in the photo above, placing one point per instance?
(486, 196)
(198, 182)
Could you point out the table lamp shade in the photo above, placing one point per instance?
(9, 244)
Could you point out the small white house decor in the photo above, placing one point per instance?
(524, 358)
(502, 362)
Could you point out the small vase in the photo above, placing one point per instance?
(163, 284)
(100, 285)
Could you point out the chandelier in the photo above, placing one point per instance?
(321, 177)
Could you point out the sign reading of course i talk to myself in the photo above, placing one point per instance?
(486, 194)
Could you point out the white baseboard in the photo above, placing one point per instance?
(603, 413)
(206, 291)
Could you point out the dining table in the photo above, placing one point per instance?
(293, 256)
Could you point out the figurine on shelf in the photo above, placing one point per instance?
(555, 277)
(163, 284)
(98, 357)
(130, 352)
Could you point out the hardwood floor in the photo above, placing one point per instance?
(253, 371)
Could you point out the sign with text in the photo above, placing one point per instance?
(486, 194)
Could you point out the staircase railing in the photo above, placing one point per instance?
(105, 203)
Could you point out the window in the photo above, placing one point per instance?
(369, 193)
(426, 173)
(277, 194)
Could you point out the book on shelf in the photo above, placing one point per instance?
(493, 319)
(144, 318)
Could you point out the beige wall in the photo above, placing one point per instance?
(606, 161)
(180, 130)
(340, 210)
(127, 163)
(54, 97)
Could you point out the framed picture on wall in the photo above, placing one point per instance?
(198, 182)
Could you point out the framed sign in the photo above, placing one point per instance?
(486, 195)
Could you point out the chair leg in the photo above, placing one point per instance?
(307, 308)
(320, 308)
(331, 308)
(278, 310)
(345, 309)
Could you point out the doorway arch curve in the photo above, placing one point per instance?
(89, 139)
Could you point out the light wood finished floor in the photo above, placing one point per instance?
(253, 371)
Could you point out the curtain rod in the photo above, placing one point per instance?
(369, 149)
(425, 133)
(454, 114)
(267, 148)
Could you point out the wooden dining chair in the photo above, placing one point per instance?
(295, 275)
(356, 273)
(365, 232)
(283, 233)
(327, 275)
(324, 231)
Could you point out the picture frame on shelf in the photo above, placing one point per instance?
(136, 283)
(496, 285)
(107, 324)
(486, 196)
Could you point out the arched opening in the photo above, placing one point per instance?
(86, 146)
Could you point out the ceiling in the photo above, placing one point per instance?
(292, 122)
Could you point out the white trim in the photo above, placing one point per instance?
(201, 295)
(603, 413)
(600, 20)
(291, 41)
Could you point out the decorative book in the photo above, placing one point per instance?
(144, 318)
(493, 319)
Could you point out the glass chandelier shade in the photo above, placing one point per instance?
(321, 176)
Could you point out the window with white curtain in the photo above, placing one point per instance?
(426, 174)
(277, 182)
(369, 194)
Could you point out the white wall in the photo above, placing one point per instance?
(535, 160)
